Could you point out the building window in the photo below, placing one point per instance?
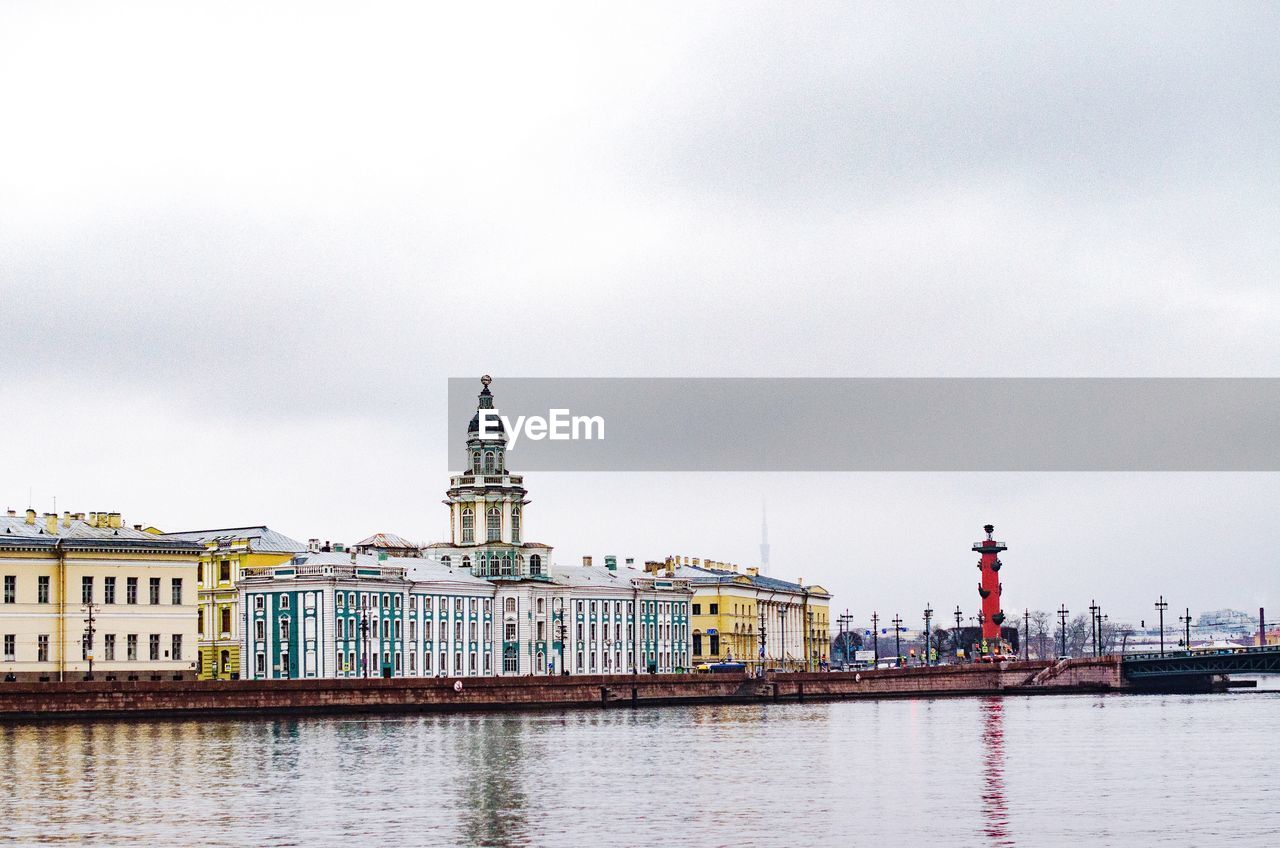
(542, 606)
(471, 662)
(42, 648)
(131, 647)
(131, 591)
(488, 662)
(493, 524)
(510, 605)
(510, 632)
(200, 574)
(10, 588)
(488, 631)
(284, 630)
(260, 665)
(177, 648)
(488, 462)
(715, 608)
(86, 646)
(86, 590)
(224, 571)
(457, 663)
(515, 524)
(154, 646)
(426, 663)
(510, 660)
(475, 462)
(153, 588)
(175, 591)
(341, 600)
(468, 526)
(226, 619)
(259, 601)
(284, 601)
(108, 590)
(715, 645)
(697, 609)
(10, 644)
(42, 589)
(109, 647)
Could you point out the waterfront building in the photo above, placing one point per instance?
(226, 552)
(732, 607)
(486, 602)
(327, 614)
(347, 614)
(139, 589)
(583, 619)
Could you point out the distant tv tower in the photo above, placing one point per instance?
(764, 539)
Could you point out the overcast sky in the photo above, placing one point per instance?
(243, 247)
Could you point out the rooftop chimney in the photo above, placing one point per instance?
(631, 562)
(66, 519)
(114, 520)
(611, 562)
(51, 523)
(586, 562)
(753, 572)
(31, 516)
(313, 545)
(799, 581)
(137, 527)
(13, 513)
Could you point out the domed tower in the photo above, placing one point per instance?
(989, 588)
(487, 505)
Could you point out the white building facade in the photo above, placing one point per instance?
(486, 602)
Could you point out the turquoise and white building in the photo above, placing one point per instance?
(487, 602)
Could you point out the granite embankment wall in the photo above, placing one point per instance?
(129, 698)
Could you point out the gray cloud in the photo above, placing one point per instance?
(240, 256)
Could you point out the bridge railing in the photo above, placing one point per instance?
(1207, 652)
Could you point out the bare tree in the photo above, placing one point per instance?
(1042, 634)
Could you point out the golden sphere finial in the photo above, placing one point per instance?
(486, 380)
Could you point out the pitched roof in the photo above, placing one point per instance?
(707, 576)
(261, 539)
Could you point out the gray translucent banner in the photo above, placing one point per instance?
(832, 424)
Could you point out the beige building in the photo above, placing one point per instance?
(89, 592)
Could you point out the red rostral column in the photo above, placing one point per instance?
(989, 588)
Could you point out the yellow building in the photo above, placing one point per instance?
(732, 607)
(225, 553)
(88, 595)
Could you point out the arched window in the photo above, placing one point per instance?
(515, 524)
(520, 569)
(488, 462)
(468, 526)
(466, 561)
(446, 560)
(475, 462)
(494, 524)
(535, 564)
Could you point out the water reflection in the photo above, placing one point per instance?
(995, 809)
(872, 773)
(494, 772)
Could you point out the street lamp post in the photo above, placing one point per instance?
(875, 634)
(1161, 606)
(782, 634)
(762, 641)
(928, 617)
(1063, 612)
(1093, 625)
(897, 639)
(1026, 634)
(1186, 623)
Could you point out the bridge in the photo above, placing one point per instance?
(1264, 660)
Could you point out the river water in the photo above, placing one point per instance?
(1036, 771)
